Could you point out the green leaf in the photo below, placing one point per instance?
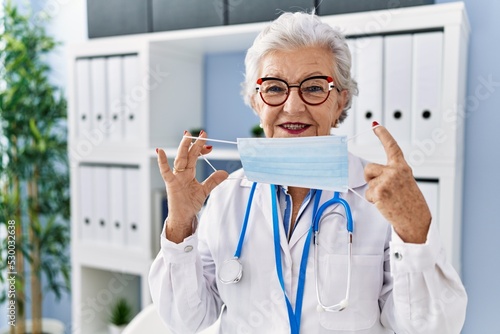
(33, 138)
(121, 312)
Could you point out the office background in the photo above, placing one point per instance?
(481, 211)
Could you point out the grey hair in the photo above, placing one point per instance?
(292, 31)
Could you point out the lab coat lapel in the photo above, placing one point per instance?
(263, 206)
(307, 219)
(303, 226)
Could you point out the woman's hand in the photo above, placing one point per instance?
(185, 194)
(394, 191)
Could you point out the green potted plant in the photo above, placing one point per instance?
(257, 131)
(34, 181)
(120, 316)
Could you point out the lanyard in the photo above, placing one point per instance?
(293, 317)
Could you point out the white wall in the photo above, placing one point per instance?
(68, 24)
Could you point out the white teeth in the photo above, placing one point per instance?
(294, 126)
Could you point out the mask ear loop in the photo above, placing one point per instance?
(208, 162)
(362, 132)
(359, 195)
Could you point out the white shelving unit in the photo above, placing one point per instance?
(164, 65)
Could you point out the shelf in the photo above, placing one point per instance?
(116, 154)
(112, 258)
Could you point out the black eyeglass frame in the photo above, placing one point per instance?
(327, 78)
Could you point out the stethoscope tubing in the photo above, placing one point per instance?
(350, 228)
(315, 229)
(335, 200)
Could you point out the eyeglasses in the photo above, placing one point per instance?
(313, 91)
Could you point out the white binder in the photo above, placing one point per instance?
(101, 203)
(133, 95)
(85, 204)
(114, 100)
(83, 98)
(398, 56)
(427, 73)
(347, 127)
(117, 205)
(430, 190)
(100, 122)
(134, 227)
(369, 72)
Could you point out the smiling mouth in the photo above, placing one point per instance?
(294, 126)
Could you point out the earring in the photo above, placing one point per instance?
(261, 126)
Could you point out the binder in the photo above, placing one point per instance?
(83, 98)
(427, 73)
(117, 205)
(101, 201)
(369, 72)
(86, 223)
(430, 190)
(114, 89)
(160, 213)
(134, 233)
(397, 86)
(100, 122)
(132, 97)
(346, 128)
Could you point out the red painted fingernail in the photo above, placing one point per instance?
(156, 151)
(208, 147)
(374, 124)
(185, 132)
(201, 132)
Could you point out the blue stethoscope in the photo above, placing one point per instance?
(231, 270)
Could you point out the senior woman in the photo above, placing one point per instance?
(400, 280)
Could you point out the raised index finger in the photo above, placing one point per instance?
(391, 147)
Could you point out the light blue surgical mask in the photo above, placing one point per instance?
(310, 162)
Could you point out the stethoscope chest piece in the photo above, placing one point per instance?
(230, 271)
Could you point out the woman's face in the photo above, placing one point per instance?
(295, 118)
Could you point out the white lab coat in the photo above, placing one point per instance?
(396, 287)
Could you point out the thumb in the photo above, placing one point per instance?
(214, 180)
